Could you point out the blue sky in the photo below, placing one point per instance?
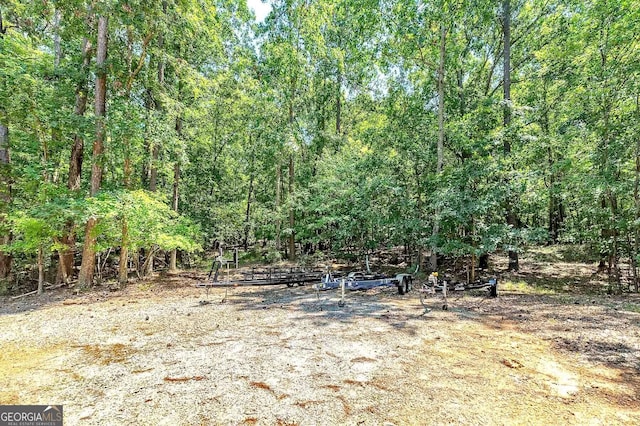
(259, 8)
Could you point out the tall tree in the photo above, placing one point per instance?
(65, 267)
(175, 194)
(440, 148)
(5, 177)
(5, 195)
(85, 277)
(512, 220)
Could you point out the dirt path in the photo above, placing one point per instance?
(155, 355)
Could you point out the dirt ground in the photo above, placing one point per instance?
(154, 354)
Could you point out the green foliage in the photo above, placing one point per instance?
(217, 108)
(149, 219)
(42, 223)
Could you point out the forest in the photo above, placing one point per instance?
(144, 134)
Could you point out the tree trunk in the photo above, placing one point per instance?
(62, 268)
(153, 172)
(85, 277)
(556, 209)
(148, 263)
(77, 151)
(553, 218)
(433, 261)
(57, 57)
(75, 167)
(176, 193)
(608, 170)
(176, 179)
(247, 217)
(339, 103)
(613, 255)
(5, 196)
(636, 199)
(278, 202)
(161, 63)
(473, 267)
(123, 266)
(292, 237)
(506, 82)
(57, 50)
(512, 219)
(40, 270)
(87, 268)
(155, 149)
(100, 105)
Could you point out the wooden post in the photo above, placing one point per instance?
(444, 294)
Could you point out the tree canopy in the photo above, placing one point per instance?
(333, 127)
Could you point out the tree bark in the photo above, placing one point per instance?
(176, 187)
(512, 219)
(57, 57)
(506, 73)
(153, 171)
(85, 277)
(433, 261)
(176, 180)
(278, 202)
(57, 49)
(123, 265)
(40, 270)
(161, 63)
(100, 106)
(65, 267)
(247, 216)
(339, 103)
(636, 199)
(556, 208)
(5, 196)
(77, 151)
(155, 150)
(292, 219)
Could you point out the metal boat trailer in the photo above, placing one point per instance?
(263, 277)
(365, 281)
(436, 285)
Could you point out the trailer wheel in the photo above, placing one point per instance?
(401, 286)
(493, 290)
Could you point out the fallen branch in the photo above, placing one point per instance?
(23, 295)
(48, 287)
